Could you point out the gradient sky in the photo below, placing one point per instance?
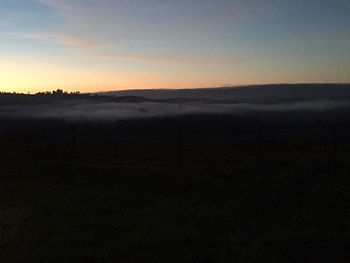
(93, 45)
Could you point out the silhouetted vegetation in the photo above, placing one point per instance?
(272, 187)
(54, 92)
(268, 184)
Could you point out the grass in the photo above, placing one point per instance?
(239, 197)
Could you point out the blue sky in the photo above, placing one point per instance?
(119, 44)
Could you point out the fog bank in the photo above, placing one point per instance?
(78, 110)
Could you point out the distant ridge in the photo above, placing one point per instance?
(254, 94)
(271, 93)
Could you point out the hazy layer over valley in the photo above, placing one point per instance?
(160, 103)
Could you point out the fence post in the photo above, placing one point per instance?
(180, 147)
(152, 148)
(260, 145)
(116, 138)
(335, 153)
(74, 143)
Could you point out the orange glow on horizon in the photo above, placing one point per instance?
(25, 75)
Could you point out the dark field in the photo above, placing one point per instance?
(268, 187)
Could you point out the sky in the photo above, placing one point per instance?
(101, 45)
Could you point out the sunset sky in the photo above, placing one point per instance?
(99, 45)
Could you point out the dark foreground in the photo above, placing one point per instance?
(270, 187)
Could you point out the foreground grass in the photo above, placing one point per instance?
(131, 202)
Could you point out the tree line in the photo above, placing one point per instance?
(54, 92)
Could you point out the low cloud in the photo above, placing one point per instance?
(62, 39)
(88, 111)
(165, 24)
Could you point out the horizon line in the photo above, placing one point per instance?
(177, 89)
(227, 86)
